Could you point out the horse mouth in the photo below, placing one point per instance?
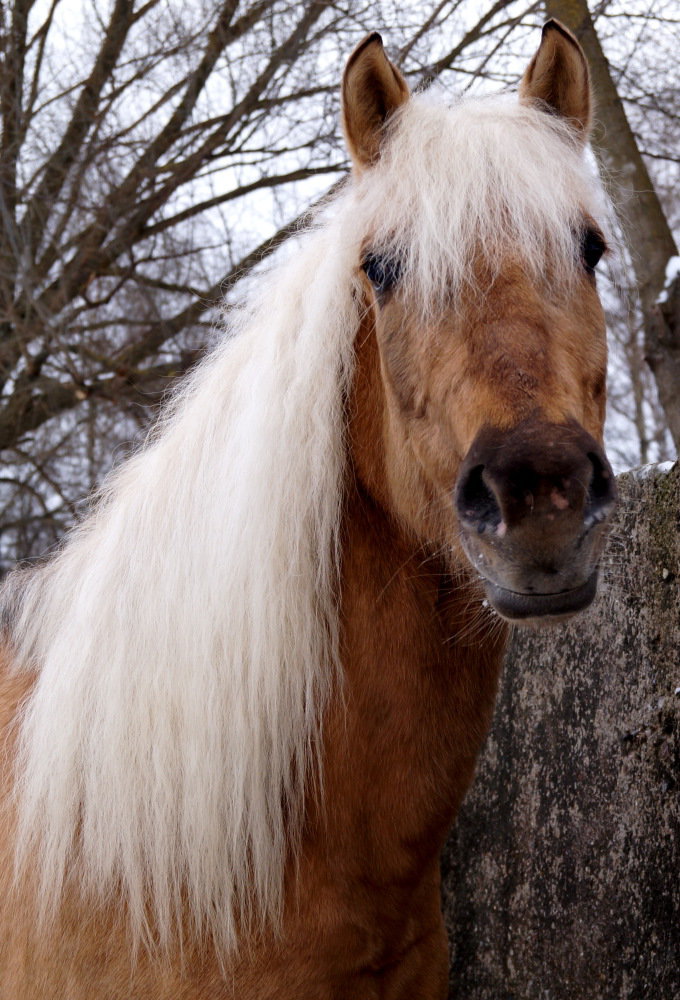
(521, 606)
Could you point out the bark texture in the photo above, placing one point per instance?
(561, 876)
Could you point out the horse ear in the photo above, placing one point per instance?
(558, 77)
(372, 89)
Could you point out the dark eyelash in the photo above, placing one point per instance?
(593, 247)
(382, 271)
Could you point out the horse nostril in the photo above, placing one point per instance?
(475, 502)
(601, 492)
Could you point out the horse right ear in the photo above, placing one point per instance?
(558, 78)
(372, 89)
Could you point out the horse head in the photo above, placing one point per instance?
(481, 238)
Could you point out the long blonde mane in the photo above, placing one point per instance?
(185, 637)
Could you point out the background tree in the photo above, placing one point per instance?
(153, 153)
(638, 121)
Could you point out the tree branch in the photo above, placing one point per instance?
(58, 165)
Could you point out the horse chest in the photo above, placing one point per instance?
(400, 749)
(402, 740)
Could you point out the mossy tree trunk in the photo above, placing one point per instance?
(561, 876)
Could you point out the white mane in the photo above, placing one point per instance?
(185, 636)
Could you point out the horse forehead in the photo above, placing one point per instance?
(495, 298)
(518, 332)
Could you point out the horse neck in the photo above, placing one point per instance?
(419, 672)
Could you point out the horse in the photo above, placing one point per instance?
(243, 702)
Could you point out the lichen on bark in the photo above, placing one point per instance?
(561, 875)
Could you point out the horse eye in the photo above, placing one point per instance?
(593, 247)
(382, 271)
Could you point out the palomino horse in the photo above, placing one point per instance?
(243, 703)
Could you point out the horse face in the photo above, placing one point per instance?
(500, 408)
(494, 405)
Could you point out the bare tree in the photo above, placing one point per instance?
(153, 153)
(628, 96)
(146, 148)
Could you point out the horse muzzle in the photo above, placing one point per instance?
(533, 504)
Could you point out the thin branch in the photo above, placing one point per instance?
(57, 167)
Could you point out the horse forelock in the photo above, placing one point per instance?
(185, 637)
(480, 180)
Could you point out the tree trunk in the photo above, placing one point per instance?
(561, 874)
(648, 235)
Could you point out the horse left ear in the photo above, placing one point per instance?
(558, 77)
(372, 90)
